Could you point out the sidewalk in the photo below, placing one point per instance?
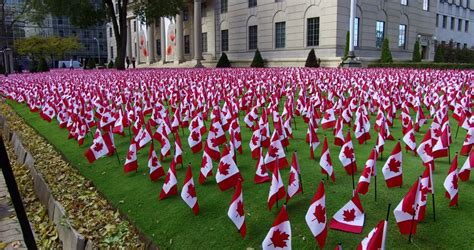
(11, 236)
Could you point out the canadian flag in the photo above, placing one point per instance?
(409, 138)
(255, 143)
(277, 189)
(206, 168)
(468, 142)
(165, 147)
(425, 148)
(451, 183)
(170, 187)
(156, 170)
(368, 171)
(279, 236)
(211, 149)
(218, 135)
(338, 132)
(276, 154)
(131, 163)
(178, 149)
(350, 218)
(376, 237)
(380, 120)
(329, 120)
(465, 171)
(420, 119)
(312, 138)
(382, 136)
(325, 161)
(228, 173)
(392, 170)
(316, 216)
(251, 117)
(261, 174)
(118, 125)
(236, 210)
(98, 148)
(195, 140)
(426, 186)
(441, 147)
(143, 137)
(347, 156)
(294, 184)
(235, 135)
(406, 213)
(188, 193)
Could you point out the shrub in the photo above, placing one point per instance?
(86, 61)
(257, 60)
(312, 61)
(423, 65)
(439, 54)
(91, 64)
(386, 55)
(33, 66)
(223, 61)
(42, 66)
(416, 52)
(111, 65)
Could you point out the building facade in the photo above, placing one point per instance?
(284, 31)
(454, 22)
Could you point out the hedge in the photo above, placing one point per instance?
(423, 65)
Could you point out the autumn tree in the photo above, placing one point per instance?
(86, 13)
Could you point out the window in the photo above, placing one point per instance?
(203, 10)
(88, 46)
(224, 6)
(225, 40)
(111, 33)
(460, 25)
(86, 34)
(253, 40)
(356, 32)
(453, 20)
(312, 36)
(379, 33)
(185, 14)
(158, 47)
(404, 2)
(437, 20)
(60, 20)
(426, 5)
(187, 48)
(134, 26)
(402, 36)
(252, 3)
(112, 52)
(445, 22)
(204, 42)
(101, 47)
(466, 26)
(458, 45)
(280, 37)
(100, 34)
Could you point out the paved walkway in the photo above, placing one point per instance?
(11, 236)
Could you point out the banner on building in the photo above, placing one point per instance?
(170, 38)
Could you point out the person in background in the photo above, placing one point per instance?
(133, 62)
(127, 60)
(71, 65)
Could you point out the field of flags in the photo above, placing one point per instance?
(269, 158)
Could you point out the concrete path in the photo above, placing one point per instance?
(11, 236)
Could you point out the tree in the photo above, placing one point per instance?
(416, 52)
(223, 61)
(40, 47)
(346, 49)
(91, 63)
(42, 66)
(111, 65)
(386, 56)
(85, 13)
(312, 61)
(257, 61)
(439, 54)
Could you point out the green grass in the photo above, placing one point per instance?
(171, 224)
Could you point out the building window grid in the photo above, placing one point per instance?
(402, 36)
(453, 20)
(426, 5)
(203, 10)
(379, 34)
(466, 26)
(204, 42)
(252, 3)
(460, 25)
(253, 37)
(185, 14)
(225, 40)
(445, 22)
(280, 35)
(312, 37)
(356, 31)
(224, 4)
(187, 48)
(404, 2)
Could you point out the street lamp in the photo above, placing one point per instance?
(98, 50)
(352, 61)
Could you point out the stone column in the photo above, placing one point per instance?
(137, 39)
(197, 33)
(179, 58)
(150, 28)
(351, 29)
(129, 39)
(163, 40)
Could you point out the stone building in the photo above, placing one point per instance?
(454, 22)
(283, 30)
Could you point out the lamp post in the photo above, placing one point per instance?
(351, 61)
(98, 51)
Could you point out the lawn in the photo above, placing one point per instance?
(172, 225)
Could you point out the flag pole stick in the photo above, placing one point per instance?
(375, 188)
(457, 130)
(413, 220)
(276, 168)
(299, 174)
(352, 166)
(449, 154)
(294, 121)
(388, 211)
(434, 209)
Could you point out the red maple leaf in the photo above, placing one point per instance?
(394, 165)
(224, 168)
(191, 191)
(455, 183)
(468, 138)
(406, 120)
(349, 152)
(255, 140)
(459, 111)
(240, 208)
(130, 155)
(105, 119)
(437, 132)
(98, 147)
(154, 161)
(263, 171)
(327, 116)
(204, 161)
(273, 152)
(195, 123)
(412, 137)
(349, 215)
(292, 178)
(279, 238)
(195, 136)
(167, 178)
(320, 214)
